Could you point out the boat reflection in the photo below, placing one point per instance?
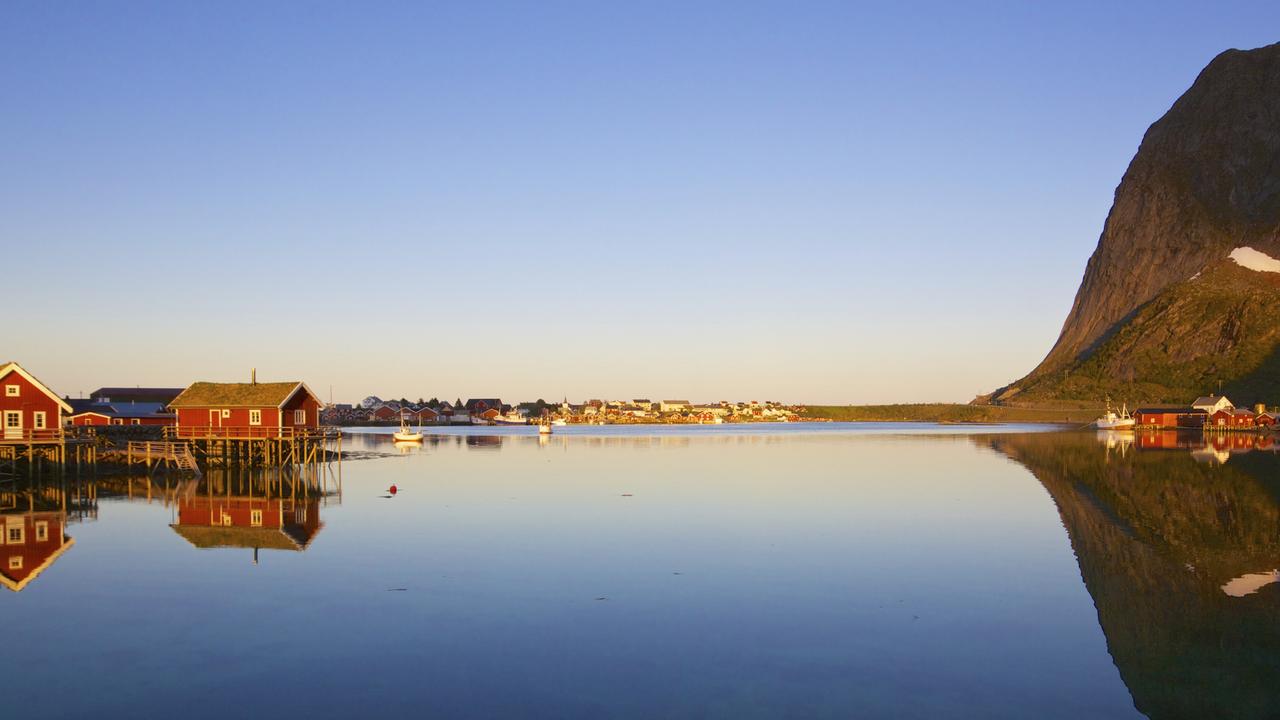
(33, 522)
(1180, 557)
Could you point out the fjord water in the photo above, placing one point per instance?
(809, 571)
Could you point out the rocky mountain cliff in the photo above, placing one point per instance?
(1205, 180)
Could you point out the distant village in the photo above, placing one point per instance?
(493, 411)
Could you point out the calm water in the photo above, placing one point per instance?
(835, 571)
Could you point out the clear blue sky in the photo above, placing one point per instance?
(798, 201)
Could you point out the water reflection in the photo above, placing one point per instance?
(1179, 551)
(33, 522)
(263, 510)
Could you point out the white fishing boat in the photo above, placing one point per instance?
(544, 424)
(559, 423)
(1115, 421)
(406, 434)
(510, 419)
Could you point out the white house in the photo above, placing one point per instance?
(1212, 403)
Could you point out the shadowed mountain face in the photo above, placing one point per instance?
(1205, 180)
(1179, 558)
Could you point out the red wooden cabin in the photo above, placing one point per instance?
(29, 410)
(246, 410)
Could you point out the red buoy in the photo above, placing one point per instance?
(392, 490)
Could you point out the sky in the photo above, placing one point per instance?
(805, 202)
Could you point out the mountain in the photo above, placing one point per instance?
(1163, 309)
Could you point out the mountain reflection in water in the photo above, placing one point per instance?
(676, 574)
(1179, 555)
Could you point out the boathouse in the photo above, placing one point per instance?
(29, 410)
(1232, 419)
(1169, 417)
(246, 410)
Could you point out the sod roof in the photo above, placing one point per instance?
(209, 394)
(215, 536)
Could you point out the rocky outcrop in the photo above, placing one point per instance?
(1205, 180)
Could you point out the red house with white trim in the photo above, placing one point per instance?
(29, 410)
(246, 410)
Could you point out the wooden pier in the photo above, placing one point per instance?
(54, 449)
(163, 455)
(257, 446)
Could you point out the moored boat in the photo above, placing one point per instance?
(1112, 420)
(406, 434)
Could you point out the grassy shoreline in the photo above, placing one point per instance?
(950, 413)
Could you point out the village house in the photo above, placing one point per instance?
(484, 408)
(109, 395)
(120, 413)
(425, 415)
(246, 410)
(384, 413)
(667, 406)
(29, 410)
(1211, 404)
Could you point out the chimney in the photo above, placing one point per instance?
(253, 376)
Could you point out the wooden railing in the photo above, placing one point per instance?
(39, 435)
(250, 432)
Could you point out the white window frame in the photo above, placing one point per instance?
(13, 391)
(255, 518)
(299, 417)
(42, 531)
(15, 562)
(21, 538)
(255, 417)
(40, 420)
(226, 414)
(135, 421)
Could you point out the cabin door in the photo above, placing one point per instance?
(215, 418)
(12, 424)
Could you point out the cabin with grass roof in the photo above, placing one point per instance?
(247, 410)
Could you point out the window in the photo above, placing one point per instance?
(226, 414)
(135, 421)
(117, 421)
(42, 531)
(15, 535)
(15, 562)
(226, 518)
(40, 420)
(300, 515)
(255, 417)
(255, 518)
(12, 390)
(299, 417)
